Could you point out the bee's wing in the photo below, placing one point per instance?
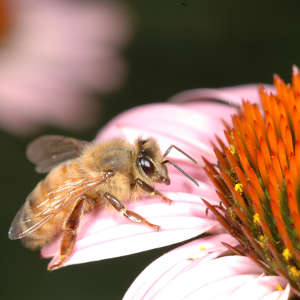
(53, 203)
(18, 227)
(48, 151)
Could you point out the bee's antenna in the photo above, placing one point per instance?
(178, 149)
(183, 172)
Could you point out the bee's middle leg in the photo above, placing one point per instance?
(131, 215)
(70, 229)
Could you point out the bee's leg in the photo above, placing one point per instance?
(152, 191)
(69, 234)
(131, 215)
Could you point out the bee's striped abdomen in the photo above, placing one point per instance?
(39, 204)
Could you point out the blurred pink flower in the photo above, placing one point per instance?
(107, 234)
(53, 54)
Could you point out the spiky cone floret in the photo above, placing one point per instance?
(257, 178)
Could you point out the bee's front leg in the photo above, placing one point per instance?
(131, 215)
(70, 229)
(152, 191)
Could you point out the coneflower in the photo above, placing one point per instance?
(257, 180)
(254, 174)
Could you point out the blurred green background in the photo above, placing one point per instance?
(179, 44)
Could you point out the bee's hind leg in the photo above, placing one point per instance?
(69, 234)
(131, 215)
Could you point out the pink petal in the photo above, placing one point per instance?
(192, 124)
(190, 130)
(261, 287)
(159, 274)
(168, 124)
(279, 295)
(226, 288)
(176, 276)
(233, 94)
(107, 230)
(107, 234)
(182, 122)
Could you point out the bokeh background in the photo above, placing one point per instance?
(176, 45)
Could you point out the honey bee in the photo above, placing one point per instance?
(84, 176)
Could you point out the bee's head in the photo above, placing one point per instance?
(150, 162)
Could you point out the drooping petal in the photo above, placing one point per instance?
(193, 271)
(233, 95)
(169, 124)
(107, 234)
(185, 219)
(192, 125)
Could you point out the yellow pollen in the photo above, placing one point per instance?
(202, 248)
(262, 241)
(193, 258)
(286, 254)
(152, 194)
(232, 149)
(239, 188)
(294, 271)
(279, 287)
(231, 213)
(256, 219)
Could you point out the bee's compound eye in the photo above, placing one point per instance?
(147, 166)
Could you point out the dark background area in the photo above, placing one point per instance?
(179, 45)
